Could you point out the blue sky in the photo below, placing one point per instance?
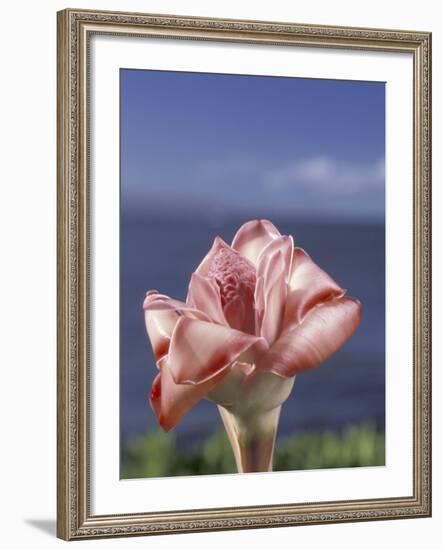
(253, 146)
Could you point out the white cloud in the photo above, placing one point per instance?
(325, 174)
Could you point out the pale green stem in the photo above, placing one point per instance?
(252, 438)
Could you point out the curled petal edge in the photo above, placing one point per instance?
(324, 330)
(170, 401)
(253, 237)
(200, 350)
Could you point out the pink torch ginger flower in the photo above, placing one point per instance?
(257, 313)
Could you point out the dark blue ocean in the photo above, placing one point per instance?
(348, 389)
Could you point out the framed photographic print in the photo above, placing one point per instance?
(243, 274)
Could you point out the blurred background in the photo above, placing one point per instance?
(200, 155)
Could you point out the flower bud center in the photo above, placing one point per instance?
(235, 277)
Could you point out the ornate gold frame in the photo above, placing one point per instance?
(74, 520)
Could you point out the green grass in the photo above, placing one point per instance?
(157, 455)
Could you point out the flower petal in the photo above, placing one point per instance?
(308, 286)
(155, 300)
(284, 244)
(171, 401)
(274, 299)
(323, 331)
(205, 264)
(235, 314)
(252, 237)
(273, 269)
(161, 315)
(160, 302)
(259, 300)
(160, 326)
(204, 295)
(200, 350)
